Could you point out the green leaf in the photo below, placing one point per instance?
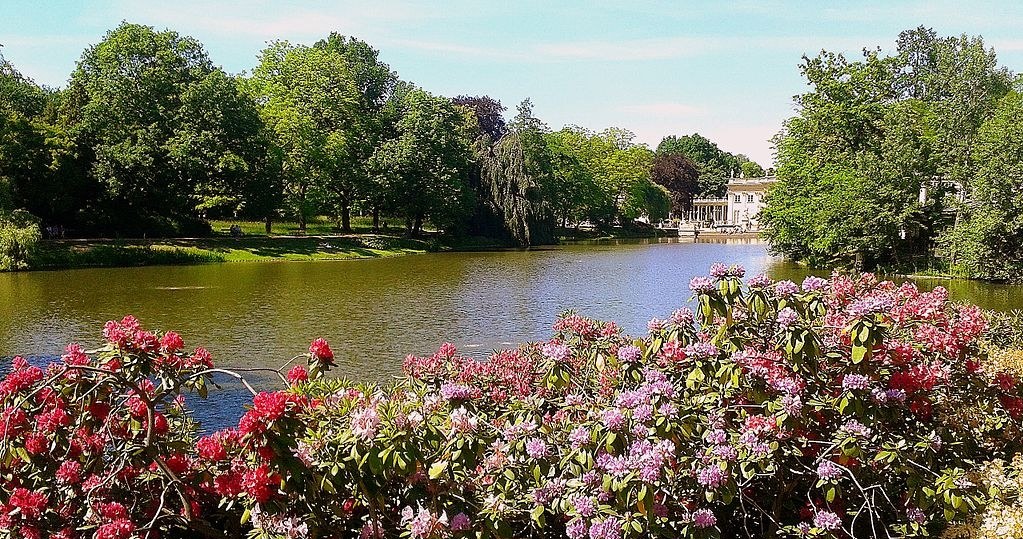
(438, 468)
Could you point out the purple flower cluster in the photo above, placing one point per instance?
(828, 470)
(888, 396)
(704, 518)
(557, 352)
(785, 289)
(725, 452)
(855, 429)
(606, 529)
(613, 419)
(814, 284)
(870, 305)
(718, 270)
(701, 350)
(717, 437)
(787, 317)
(792, 404)
(712, 476)
(536, 448)
(629, 354)
(644, 458)
(579, 437)
(759, 281)
(855, 381)
(827, 520)
(549, 492)
(682, 317)
(585, 506)
(456, 391)
(701, 285)
(576, 529)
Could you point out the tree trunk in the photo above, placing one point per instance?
(346, 218)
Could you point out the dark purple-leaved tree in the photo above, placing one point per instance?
(679, 176)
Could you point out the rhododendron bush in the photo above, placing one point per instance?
(841, 407)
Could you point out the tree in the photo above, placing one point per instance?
(518, 180)
(489, 114)
(680, 177)
(750, 169)
(159, 126)
(36, 159)
(870, 137)
(618, 166)
(323, 106)
(987, 241)
(716, 166)
(423, 165)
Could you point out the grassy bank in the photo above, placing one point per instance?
(321, 242)
(62, 254)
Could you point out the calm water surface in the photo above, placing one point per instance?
(374, 312)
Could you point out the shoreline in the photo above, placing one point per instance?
(86, 253)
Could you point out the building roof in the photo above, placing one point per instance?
(751, 184)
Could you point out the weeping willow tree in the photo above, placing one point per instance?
(515, 175)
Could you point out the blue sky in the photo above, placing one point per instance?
(727, 70)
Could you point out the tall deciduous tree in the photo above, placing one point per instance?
(141, 104)
(679, 176)
(423, 165)
(987, 241)
(716, 166)
(323, 105)
(870, 137)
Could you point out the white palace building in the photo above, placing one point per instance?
(738, 211)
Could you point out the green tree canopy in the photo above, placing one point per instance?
(716, 166)
(160, 126)
(424, 162)
(868, 137)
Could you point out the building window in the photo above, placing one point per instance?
(738, 198)
(749, 197)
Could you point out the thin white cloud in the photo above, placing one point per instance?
(626, 50)
(663, 109)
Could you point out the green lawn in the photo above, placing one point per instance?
(107, 253)
(318, 226)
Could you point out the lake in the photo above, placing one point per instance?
(374, 312)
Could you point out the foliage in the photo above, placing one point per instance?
(841, 407)
(160, 128)
(422, 163)
(679, 175)
(620, 170)
(19, 237)
(716, 166)
(866, 167)
(323, 105)
(489, 114)
(987, 241)
(99, 444)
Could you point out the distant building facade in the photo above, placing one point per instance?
(739, 210)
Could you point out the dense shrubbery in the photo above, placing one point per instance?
(837, 407)
(19, 235)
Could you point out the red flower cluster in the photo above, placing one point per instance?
(321, 351)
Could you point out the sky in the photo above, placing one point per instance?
(726, 70)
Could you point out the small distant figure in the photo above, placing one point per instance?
(236, 231)
(385, 225)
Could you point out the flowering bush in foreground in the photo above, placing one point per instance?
(848, 407)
